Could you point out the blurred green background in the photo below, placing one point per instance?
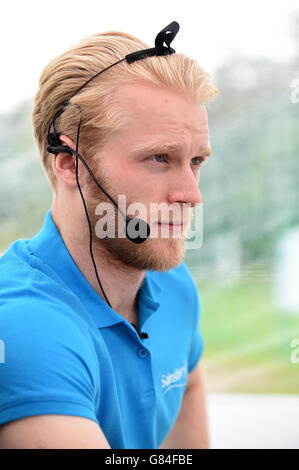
(250, 194)
(250, 189)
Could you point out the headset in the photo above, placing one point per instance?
(166, 35)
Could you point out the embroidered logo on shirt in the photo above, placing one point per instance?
(171, 379)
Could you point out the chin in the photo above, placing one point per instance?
(166, 255)
(155, 254)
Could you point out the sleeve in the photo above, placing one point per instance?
(197, 343)
(49, 363)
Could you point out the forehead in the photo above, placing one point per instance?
(151, 110)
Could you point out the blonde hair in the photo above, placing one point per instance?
(96, 103)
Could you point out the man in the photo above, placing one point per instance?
(78, 371)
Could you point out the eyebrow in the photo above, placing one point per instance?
(165, 147)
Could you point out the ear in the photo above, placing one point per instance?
(64, 165)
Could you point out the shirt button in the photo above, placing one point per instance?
(142, 353)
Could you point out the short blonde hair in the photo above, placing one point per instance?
(96, 103)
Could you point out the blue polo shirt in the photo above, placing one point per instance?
(67, 352)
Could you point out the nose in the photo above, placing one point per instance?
(185, 188)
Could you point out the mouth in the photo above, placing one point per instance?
(179, 224)
(170, 224)
(173, 227)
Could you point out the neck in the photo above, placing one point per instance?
(121, 283)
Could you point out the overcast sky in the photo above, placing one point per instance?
(34, 32)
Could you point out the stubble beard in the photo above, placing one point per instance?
(155, 254)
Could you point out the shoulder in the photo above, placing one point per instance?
(37, 329)
(30, 291)
(50, 363)
(15, 268)
(37, 314)
(38, 320)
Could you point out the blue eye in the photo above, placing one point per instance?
(161, 158)
(198, 160)
(159, 155)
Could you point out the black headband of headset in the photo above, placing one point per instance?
(166, 35)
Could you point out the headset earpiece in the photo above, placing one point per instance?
(54, 139)
(59, 148)
(55, 145)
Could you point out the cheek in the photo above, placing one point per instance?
(129, 179)
(135, 181)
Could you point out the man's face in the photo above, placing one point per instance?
(135, 163)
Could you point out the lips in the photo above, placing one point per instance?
(171, 225)
(180, 224)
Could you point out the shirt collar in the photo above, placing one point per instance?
(49, 246)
